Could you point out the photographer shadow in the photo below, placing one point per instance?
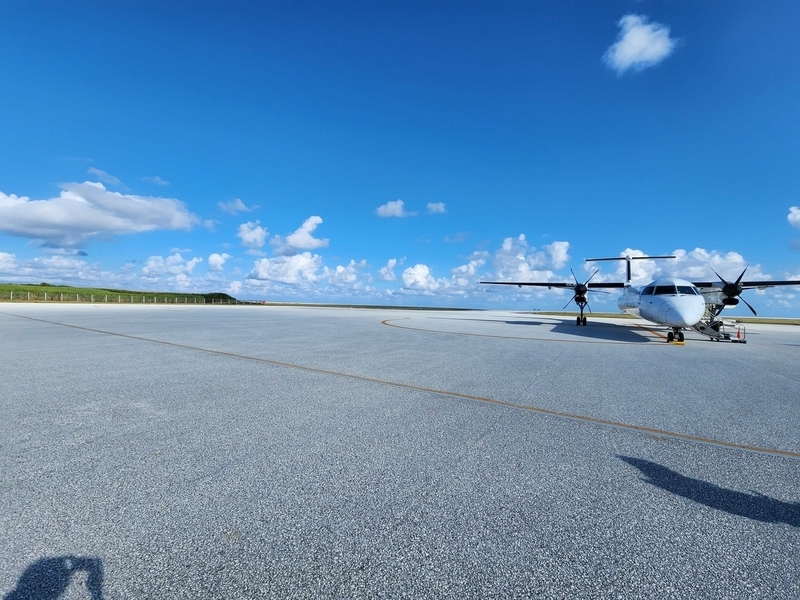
(753, 506)
(49, 578)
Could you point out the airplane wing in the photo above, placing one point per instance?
(556, 284)
(746, 285)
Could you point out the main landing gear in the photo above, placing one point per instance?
(675, 335)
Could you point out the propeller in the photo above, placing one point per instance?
(731, 292)
(581, 289)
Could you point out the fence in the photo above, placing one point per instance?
(12, 296)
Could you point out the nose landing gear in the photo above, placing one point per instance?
(581, 320)
(675, 335)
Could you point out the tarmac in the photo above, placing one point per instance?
(293, 452)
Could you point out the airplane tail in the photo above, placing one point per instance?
(628, 260)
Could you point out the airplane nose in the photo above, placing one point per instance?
(685, 313)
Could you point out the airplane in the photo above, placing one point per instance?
(667, 301)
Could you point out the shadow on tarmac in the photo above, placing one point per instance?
(609, 332)
(753, 506)
(49, 578)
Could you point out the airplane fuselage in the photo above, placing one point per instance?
(667, 301)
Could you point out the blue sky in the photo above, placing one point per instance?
(347, 151)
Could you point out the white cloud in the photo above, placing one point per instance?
(8, 262)
(301, 239)
(639, 45)
(559, 254)
(60, 268)
(86, 210)
(387, 273)
(173, 265)
(299, 268)
(419, 277)
(253, 236)
(104, 177)
(794, 216)
(344, 276)
(235, 287)
(394, 208)
(216, 261)
(516, 261)
(464, 276)
(155, 179)
(236, 206)
(436, 208)
(694, 265)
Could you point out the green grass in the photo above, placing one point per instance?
(18, 292)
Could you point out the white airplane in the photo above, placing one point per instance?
(668, 301)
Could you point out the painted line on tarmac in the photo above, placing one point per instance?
(533, 409)
(653, 331)
(389, 323)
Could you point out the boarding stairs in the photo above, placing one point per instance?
(720, 330)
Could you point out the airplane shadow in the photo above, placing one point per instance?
(610, 332)
(753, 506)
(49, 578)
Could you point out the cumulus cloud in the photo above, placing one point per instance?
(464, 275)
(253, 236)
(516, 261)
(694, 265)
(559, 254)
(639, 45)
(104, 177)
(86, 210)
(295, 269)
(386, 273)
(394, 208)
(216, 261)
(794, 216)
(234, 288)
(436, 208)
(236, 206)
(301, 239)
(344, 275)
(173, 265)
(419, 277)
(156, 180)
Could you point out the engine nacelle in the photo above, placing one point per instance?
(727, 301)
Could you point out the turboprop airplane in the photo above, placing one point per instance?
(667, 301)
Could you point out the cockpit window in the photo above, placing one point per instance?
(687, 289)
(648, 290)
(663, 290)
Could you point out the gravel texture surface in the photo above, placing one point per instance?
(247, 452)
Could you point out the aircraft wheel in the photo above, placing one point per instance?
(680, 336)
(584, 321)
(670, 337)
(578, 320)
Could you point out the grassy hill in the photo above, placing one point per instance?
(45, 292)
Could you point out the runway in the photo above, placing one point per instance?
(244, 451)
